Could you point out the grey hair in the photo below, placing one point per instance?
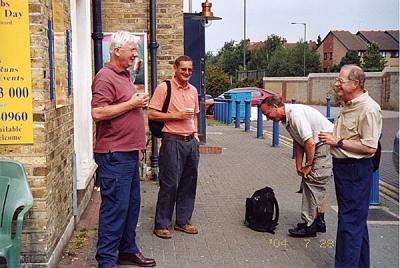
(273, 100)
(119, 39)
(355, 73)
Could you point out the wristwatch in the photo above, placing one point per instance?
(307, 164)
(339, 144)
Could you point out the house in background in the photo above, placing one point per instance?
(336, 44)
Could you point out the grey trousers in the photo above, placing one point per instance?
(178, 164)
(314, 186)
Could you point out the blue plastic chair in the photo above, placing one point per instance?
(14, 194)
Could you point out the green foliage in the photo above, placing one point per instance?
(319, 40)
(260, 57)
(217, 81)
(373, 60)
(351, 57)
(289, 61)
(247, 83)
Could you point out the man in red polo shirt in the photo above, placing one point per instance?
(179, 152)
(120, 134)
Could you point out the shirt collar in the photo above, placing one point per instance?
(116, 69)
(357, 100)
(288, 110)
(179, 86)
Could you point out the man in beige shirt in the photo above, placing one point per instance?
(353, 143)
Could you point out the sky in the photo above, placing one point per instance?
(266, 17)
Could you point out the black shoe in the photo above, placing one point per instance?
(304, 231)
(319, 224)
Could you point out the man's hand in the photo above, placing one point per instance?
(305, 171)
(327, 138)
(139, 100)
(184, 115)
(196, 136)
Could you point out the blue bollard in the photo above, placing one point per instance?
(374, 195)
(328, 107)
(237, 120)
(216, 110)
(247, 113)
(229, 113)
(259, 121)
(294, 146)
(275, 134)
(226, 112)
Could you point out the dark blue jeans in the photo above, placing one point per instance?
(179, 161)
(353, 179)
(120, 204)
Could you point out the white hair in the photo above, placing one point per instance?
(119, 39)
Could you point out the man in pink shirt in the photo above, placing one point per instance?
(120, 134)
(179, 152)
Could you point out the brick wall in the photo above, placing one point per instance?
(382, 87)
(48, 160)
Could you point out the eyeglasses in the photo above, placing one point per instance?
(133, 50)
(342, 81)
(189, 70)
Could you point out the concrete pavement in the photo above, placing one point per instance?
(245, 165)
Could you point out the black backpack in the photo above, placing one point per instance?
(260, 209)
(157, 126)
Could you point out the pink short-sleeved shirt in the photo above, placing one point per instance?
(181, 99)
(125, 132)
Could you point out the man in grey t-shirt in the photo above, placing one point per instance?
(304, 124)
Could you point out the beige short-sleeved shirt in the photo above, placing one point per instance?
(360, 119)
(181, 99)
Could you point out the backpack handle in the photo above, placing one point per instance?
(275, 221)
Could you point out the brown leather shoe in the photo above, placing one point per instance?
(186, 228)
(135, 259)
(162, 233)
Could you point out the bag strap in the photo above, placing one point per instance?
(168, 97)
(275, 221)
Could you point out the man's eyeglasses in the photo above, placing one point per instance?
(189, 70)
(133, 50)
(342, 81)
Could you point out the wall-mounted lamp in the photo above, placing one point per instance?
(206, 16)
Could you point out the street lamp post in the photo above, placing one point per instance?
(244, 35)
(305, 44)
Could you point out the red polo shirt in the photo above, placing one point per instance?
(125, 132)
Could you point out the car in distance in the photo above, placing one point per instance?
(257, 94)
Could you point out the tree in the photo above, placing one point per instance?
(319, 40)
(351, 57)
(217, 81)
(289, 61)
(260, 57)
(373, 60)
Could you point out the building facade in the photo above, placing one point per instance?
(336, 44)
(59, 162)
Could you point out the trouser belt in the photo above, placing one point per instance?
(178, 137)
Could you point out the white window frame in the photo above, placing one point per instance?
(82, 80)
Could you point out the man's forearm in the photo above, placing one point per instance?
(357, 147)
(309, 148)
(111, 111)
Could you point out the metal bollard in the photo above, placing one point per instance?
(328, 107)
(259, 121)
(275, 134)
(237, 120)
(225, 120)
(294, 146)
(374, 195)
(247, 113)
(229, 112)
(216, 110)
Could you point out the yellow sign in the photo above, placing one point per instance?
(16, 123)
